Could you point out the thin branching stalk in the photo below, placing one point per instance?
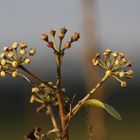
(36, 77)
(53, 120)
(76, 108)
(59, 96)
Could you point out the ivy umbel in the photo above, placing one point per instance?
(51, 95)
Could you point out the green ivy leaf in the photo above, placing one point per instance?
(108, 108)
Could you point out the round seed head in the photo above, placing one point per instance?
(2, 55)
(15, 45)
(50, 44)
(15, 64)
(10, 54)
(27, 61)
(130, 73)
(75, 36)
(108, 51)
(22, 51)
(122, 74)
(121, 55)
(61, 35)
(52, 32)
(5, 49)
(115, 54)
(117, 63)
(15, 74)
(124, 60)
(123, 84)
(106, 54)
(32, 99)
(35, 90)
(23, 45)
(3, 62)
(10, 49)
(44, 37)
(32, 51)
(2, 74)
(63, 30)
(67, 45)
(95, 62)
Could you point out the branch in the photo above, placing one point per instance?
(78, 105)
(50, 112)
(37, 78)
(27, 80)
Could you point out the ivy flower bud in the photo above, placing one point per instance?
(75, 36)
(2, 74)
(27, 61)
(124, 60)
(117, 63)
(10, 49)
(15, 64)
(108, 51)
(22, 51)
(123, 84)
(106, 54)
(15, 45)
(44, 37)
(95, 62)
(63, 30)
(15, 74)
(10, 54)
(35, 90)
(52, 32)
(23, 45)
(50, 44)
(122, 74)
(130, 73)
(67, 45)
(121, 55)
(32, 99)
(61, 35)
(2, 55)
(3, 62)
(32, 51)
(115, 54)
(5, 49)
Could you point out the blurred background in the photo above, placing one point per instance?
(102, 24)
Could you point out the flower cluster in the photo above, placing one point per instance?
(115, 64)
(52, 44)
(43, 94)
(13, 57)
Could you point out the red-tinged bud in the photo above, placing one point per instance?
(67, 45)
(50, 44)
(44, 37)
(63, 30)
(75, 37)
(52, 32)
(61, 35)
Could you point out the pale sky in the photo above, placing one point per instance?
(118, 22)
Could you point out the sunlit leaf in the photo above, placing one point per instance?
(108, 108)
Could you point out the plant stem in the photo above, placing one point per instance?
(54, 123)
(37, 78)
(78, 105)
(60, 100)
(27, 80)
